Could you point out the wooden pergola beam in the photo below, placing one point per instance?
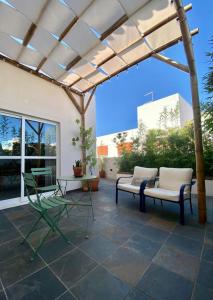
(175, 41)
(73, 100)
(114, 26)
(89, 100)
(33, 72)
(171, 62)
(73, 62)
(200, 172)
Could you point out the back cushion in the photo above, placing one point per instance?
(173, 178)
(141, 174)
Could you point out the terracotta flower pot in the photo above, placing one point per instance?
(94, 185)
(78, 171)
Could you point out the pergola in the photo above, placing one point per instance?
(78, 45)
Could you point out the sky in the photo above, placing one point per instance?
(117, 99)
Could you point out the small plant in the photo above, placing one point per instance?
(78, 164)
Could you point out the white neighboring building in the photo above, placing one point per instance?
(171, 111)
(149, 113)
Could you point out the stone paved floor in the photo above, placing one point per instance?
(129, 255)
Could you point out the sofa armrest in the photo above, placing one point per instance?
(182, 189)
(122, 177)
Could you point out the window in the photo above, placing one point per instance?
(24, 144)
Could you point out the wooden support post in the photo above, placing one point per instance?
(83, 138)
(171, 62)
(200, 173)
(90, 99)
(74, 102)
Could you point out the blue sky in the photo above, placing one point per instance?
(118, 98)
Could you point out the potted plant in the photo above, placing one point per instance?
(86, 142)
(78, 169)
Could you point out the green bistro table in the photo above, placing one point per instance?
(72, 178)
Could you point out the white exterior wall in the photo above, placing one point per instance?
(186, 112)
(108, 140)
(149, 113)
(25, 94)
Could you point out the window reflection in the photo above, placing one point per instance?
(10, 136)
(40, 139)
(10, 178)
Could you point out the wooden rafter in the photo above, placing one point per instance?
(72, 98)
(89, 100)
(171, 62)
(73, 62)
(200, 173)
(175, 41)
(33, 72)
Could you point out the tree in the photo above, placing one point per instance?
(207, 107)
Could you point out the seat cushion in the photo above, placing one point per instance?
(129, 187)
(141, 173)
(162, 194)
(173, 178)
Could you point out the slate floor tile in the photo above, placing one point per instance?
(2, 296)
(209, 237)
(99, 248)
(72, 266)
(162, 223)
(192, 232)
(202, 293)
(142, 245)
(208, 253)
(136, 294)
(15, 262)
(162, 284)
(116, 233)
(178, 262)
(40, 285)
(127, 265)
(205, 277)
(66, 296)
(189, 246)
(7, 230)
(100, 285)
(154, 234)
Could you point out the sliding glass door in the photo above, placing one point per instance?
(25, 143)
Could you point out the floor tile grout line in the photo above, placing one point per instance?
(201, 254)
(3, 289)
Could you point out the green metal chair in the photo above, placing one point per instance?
(43, 206)
(44, 173)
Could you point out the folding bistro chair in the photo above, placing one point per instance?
(43, 206)
(43, 173)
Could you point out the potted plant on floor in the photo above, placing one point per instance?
(86, 141)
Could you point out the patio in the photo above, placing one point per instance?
(129, 255)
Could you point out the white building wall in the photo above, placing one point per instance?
(186, 112)
(26, 94)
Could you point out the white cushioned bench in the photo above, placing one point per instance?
(174, 185)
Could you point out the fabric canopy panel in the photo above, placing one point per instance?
(78, 6)
(124, 36)
(56, 17)
(69, 78)
(52, 69)
(43, 41)
(12, 22)
(99, 54)
(80, 38)
(133, 5)
(30, 58)
(82, 85)
(113, 65)
(25, 7)
(101, 14)
(63, 54)
(153, 13)
(8, 46)
(83, 68)
(96, 77)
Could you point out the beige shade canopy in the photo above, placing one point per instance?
(80, 44)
